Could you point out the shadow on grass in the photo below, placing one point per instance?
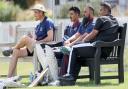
(80, 84)
(85, 83)
(91, 84)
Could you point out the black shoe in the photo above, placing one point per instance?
(7, 52)
(67, 77)
(67, 80)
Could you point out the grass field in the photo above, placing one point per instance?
(26, 68)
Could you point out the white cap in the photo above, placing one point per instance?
(39, 7)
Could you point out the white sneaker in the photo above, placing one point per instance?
(2, 85)
(54, 83)
(15, 78)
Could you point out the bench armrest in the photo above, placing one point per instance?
(117, 42)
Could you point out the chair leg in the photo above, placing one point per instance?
(97, 74)
(121, 72)
(91, 72)
(97, 65)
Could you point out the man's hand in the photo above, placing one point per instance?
(38, 42)
(68, 45)
(83, 40)
(66, 42)
(30, 35)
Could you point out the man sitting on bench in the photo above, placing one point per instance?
(25, 47)
(105, 29)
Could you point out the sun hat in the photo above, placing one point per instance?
(39, 7)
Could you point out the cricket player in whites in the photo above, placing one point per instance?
(45, 56)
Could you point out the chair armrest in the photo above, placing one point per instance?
(117, 42)
(53, 43)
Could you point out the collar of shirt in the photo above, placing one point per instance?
(43, 20)
(77, 23)
(90, 20)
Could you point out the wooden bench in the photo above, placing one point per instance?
(115, 57)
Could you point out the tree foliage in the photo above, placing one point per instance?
(24, 4)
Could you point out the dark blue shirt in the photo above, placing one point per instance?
(86, 29)
(71, 29)
(43, 27)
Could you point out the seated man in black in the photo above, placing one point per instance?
(105, 29)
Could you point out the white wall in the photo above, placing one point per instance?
(5, 28)
(8, 30)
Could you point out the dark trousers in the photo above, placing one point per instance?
(75, 65)
(64, 65)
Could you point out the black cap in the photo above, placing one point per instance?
(107, 5)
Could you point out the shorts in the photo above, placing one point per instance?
(30, 53)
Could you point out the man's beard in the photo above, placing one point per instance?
(85, 20)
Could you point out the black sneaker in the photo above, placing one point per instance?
(67, 80)
(67, 77)
(7, 52)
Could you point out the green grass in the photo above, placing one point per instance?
(85, 84)
(26, 68)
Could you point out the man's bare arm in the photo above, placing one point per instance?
(74, 37)
(78, 39)
(91, 35)
(48, 38)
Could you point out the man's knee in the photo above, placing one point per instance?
(16, 52)
(25, 39)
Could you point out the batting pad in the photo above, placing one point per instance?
(46, 58)
(52, 62)
(40, 52)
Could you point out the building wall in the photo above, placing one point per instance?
(121, 6)
(57, 8)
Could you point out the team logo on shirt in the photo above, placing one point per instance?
(41, 28)
(75, 29)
